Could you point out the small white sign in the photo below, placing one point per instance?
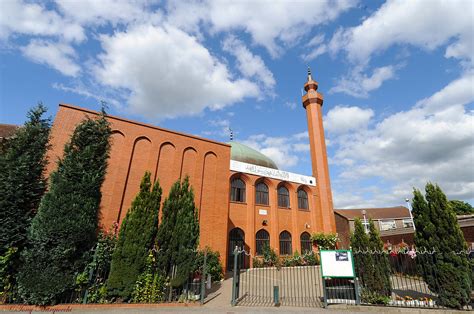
(337, 263)
(244, 167)
(262, 212)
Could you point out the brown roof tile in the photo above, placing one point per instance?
(7, 130)
(375, 213)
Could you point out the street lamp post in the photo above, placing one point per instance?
(411, 215)
(365, 221)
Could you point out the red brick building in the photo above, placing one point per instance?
(394, 224)
(242, 197)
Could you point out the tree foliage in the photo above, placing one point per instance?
(22, 184)
(461, 208)
(178, 234)
(382, 271)
(64, 230)
(136, 238)
(446, 271)
(370, 262)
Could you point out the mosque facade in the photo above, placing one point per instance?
(243, 199)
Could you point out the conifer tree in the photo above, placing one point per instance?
(363, 260)
(64, 230)
(382, 285)
(22, 181)
(447, 271)
(178, 234)
(22, 184)
(136, 238)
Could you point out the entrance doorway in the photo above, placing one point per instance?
(236, 238)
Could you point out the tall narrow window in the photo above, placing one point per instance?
(306, 243)
(283, 197)
(262, 239)
(285, 243)
(302, 199)
(237, 193)
(261, 194)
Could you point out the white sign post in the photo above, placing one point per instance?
(337, 263)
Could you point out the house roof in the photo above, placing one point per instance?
(375, 213)
(7, 130)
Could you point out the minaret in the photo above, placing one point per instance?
(313, 103)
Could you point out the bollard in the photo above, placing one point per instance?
(276, 295)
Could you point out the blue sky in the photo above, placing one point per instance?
(397, 77)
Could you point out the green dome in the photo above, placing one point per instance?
(243, 153)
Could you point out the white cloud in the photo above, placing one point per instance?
(250, 65)
(358, 84)
(19, 17)
(398, 22)
(103, 11)
(271, 24)
(343, 119)
(59, 56)
(167, 73)
(316, 46)
(433, 141)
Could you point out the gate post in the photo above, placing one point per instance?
(325, 293)
(356, 288)
(235, 279)
(203, 278)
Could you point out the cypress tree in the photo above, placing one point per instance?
(382, 285)
(178, 234)
(447, 272)
(22, 184)
(136, 238)
(363, 260)
(64, 230)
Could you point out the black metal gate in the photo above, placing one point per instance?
(236, 239)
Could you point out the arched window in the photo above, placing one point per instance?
(262, 239)
(285, 243)
(261, 194)
(237, 193)
(302, 199)
(283, 197)
(306, 243)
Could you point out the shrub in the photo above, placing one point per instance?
(325, 241)
(213, 265)
(150, 285)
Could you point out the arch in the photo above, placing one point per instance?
(208, 182)
(306, 243)
(283, 196)
(302, 199)
(237, 190)
(261, 193)
(236, 239)
(285, 243)
(262, 240)
(118, 132)
(188, 163)
(165, 162)
(137, 165)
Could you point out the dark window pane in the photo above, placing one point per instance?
(283, 197)
(261, 194)
(285, 243)
(302, 199)
(237, 193)
(262, 239)
(306, 243)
